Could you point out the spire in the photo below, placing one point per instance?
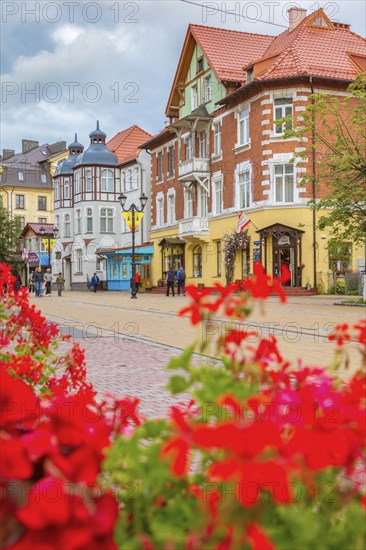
(98, 136)
(75, 147)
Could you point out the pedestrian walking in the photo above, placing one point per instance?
(18, 279)
(138, 280)
(94, 282)
(170, 281)
(60, 281)
(38, 279)
(181, 278)
(47, 279)
(31, 286)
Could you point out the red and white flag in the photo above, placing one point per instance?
(243, 221)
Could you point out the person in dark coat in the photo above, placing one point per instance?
(18, 279)
(170, 281)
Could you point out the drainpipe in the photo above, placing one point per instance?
(313, 181)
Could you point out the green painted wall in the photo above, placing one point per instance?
(218, 90)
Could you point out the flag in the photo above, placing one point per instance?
(52, 244)
(128, 217)
(243, 221)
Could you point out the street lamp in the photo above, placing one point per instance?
(133, 209)
(49, 236)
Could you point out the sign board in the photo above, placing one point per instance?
(284, 240)
(256, 243)
(128, 217)
(52, 243)
(33, 258)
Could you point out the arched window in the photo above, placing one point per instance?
(107, 180)
(197, 261)
(77, 182)
(67, 225)
(129, 180)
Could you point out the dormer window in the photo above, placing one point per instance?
(20, 176)
(320, 22)
(194, 98)
(200, 64)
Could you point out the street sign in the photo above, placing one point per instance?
(128, 217)
(256, 243)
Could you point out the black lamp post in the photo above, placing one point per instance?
(49, 236)
(133, 209)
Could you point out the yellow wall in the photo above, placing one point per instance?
(30, 211)
(298, 218)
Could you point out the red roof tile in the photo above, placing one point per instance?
(229, 51)
(308, 50)
(125, 144)
(37, 226)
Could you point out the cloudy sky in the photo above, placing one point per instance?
(66, 63)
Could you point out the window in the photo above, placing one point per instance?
(128, 186)
(159, 166)
(89, 220)
(106, 220)
(245, 262)
(77, 182)
(43, 178)
(284, 183)
(200, 64)
(160, 212)
(244, 189)
(79, 260)
(197, 261)
(244, 127)
(42, 220)
(42, 203)
(188, 204)
(208, 89)
(20, 176)
(202, 140)
(57, 221)
(89, 180)
(171, 209)
(19, 201)
(66, 188)
(203, 203)
(217, 184)
(171, 161)
(283, 109)
(21, 221)
(57, 190)
(189, 148)
(107, 180)
(217, 139)
(78, 220)
(67, 225)
(340, 256)
(194, 98)
(219, 257)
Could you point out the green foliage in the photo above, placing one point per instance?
(9, 236)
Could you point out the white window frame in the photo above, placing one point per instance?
(57, 190)
(188, 203)
(171, 150)
(67, 188)
(21, 202)
(159, 166)
(194, 97)
(203, 144)
(208, 88)
(203, 204)
(243, 127)
(78, 220)
(160, 210)
(276, 177)
(189, 147)
(281, 111)
(77, 182)
(241, 170)
(217, 206)
(88, 180)
(106, 220)
(171, 208)
(20, 176)
(106, 179)
(89, 216)
(67, 225)
(79, 260)
(217, 138)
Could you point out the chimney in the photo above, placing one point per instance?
(295, 16)
(7, 153)
(57, 147)
(28, 145)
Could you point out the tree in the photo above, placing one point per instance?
(338, 126)
(9, 237)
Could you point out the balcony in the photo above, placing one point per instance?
(194, 228)
(188, 169)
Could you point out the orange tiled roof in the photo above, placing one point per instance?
(308, 50)
(125, 144)
(229, 51)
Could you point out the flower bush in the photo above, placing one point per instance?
(232, 243)
(264, 455)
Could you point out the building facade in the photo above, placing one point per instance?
(223, 152)
(87, 210)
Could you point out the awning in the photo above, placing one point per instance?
(171, 242)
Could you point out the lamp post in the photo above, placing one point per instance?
(133, 209)
(49, 236)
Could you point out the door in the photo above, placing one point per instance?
(145, 273)
(283, 256)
